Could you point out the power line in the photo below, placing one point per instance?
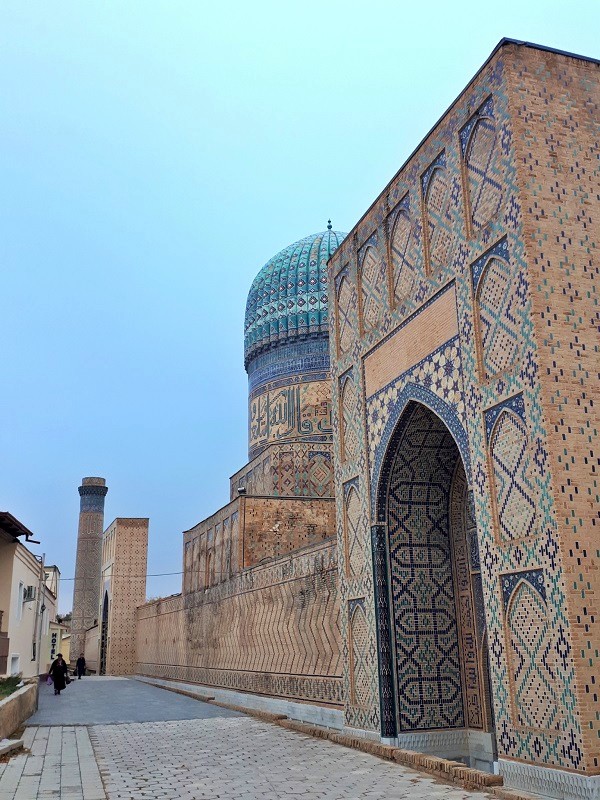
(147, 575)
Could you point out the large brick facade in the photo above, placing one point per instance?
(464, 365)
(447, 413)
(123, 588)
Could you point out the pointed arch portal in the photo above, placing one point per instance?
(434, 684)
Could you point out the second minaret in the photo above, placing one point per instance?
(88, 563)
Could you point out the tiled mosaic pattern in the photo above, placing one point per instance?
(288, 297)
(359, 673)
(469, 604)
(372, 282)
(439, 192)
(513, 489)
(284, 470)
(346, 304)
(403, 255)
(555, 123)
(501, 302)
(533, 660)
(426, 631)
(348, 417)
(305, 356)
(480, 147)
(353, 529)
(466, 212)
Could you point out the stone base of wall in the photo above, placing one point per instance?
(475, 748)
(16, 708)
(303, 688)
(304, 712)
(549, 782)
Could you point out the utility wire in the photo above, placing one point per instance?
(147, 575)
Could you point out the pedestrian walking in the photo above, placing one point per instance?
(59, 672)
(80, 666)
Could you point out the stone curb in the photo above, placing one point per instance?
(451, 771)
(8, 745)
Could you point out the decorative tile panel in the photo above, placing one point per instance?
(480, 144)
(501, 297)
(372, 285)
(359, 640)
(503, 349)
(404, 254)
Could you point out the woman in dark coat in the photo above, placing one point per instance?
(58, 673)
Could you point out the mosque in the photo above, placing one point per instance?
(411, 552)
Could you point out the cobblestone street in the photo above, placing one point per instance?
(213, 753)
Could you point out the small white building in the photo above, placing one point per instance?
(28, 600)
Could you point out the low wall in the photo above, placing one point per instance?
(273, 629)
(16, 708)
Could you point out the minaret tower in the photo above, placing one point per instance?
(88, 565)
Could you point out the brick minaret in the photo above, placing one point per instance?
(88, 565)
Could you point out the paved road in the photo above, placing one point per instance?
(204, 752)
(100, 701)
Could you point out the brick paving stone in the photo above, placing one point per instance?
(246, 759)
(203, 753)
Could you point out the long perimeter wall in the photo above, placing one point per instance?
(271, 629)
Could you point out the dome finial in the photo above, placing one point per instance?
(329, 225)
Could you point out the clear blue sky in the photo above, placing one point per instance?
(153, 156)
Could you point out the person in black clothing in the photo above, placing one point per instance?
(80, 666)
(58, 673)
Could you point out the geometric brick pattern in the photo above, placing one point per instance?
(348, 421)
(403, 257)
(556, 142)
(482, 156)
(514, 491)
(372, 281)
(285, 470)
(499, 320)
(533, 660)
(346, 303)
(438, 220)
(354, 524)
(359, 640)
(124, 567)
(522, 264)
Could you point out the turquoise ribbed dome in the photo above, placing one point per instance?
(288, 297)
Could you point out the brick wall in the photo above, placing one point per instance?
(555, 116)
(272, 629)
(494, 214)
(274, 526)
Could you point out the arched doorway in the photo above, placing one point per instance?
(104, 635)
(437, 648)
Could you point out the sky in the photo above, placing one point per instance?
(153, 156)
